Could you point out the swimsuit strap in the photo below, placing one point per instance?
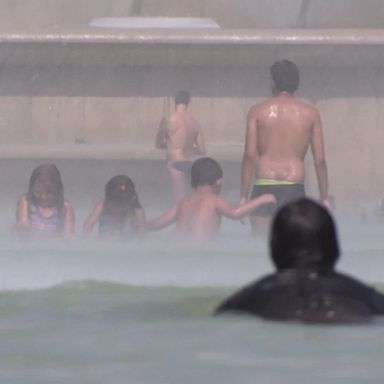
(44, 224)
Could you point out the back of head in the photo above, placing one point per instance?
(205, 171)
(285, 76)
(303, 236)
(120, 190)
(182, 97)
(48, 177)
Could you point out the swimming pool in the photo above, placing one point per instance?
(89, 311)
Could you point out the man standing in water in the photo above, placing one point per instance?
(279, 132)
(181, 136)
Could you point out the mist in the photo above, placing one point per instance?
(89, 95)
(80, 87)
(85, 85)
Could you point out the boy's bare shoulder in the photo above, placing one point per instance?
(220, 200)
(198, 197)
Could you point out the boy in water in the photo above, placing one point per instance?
(198, 215)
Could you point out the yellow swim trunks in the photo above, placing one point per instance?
(284, 191)
(274, 182)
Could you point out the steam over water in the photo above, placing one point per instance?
(91, 311)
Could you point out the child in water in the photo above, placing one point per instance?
(43, 211)
(198, 215)
(119, 206)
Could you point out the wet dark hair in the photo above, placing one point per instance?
(205, 171)
(285, 75)
(121, 199)
(303, 236)
(182, 97)
(49, 176)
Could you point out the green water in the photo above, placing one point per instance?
(141, 312)
(94, 332)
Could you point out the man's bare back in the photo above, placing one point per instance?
(184, 139)
(279, 132)
(285, 127)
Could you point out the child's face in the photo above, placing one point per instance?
(43, 195)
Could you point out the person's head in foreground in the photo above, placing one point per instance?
(303, 236)
(285, 76)
(206, 172)
(304, 249)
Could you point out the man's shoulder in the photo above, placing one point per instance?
(177, 120)
(171, 119)
(304, 103)
(260, 105)
(264, 106)
(301, 102)
(305, 108)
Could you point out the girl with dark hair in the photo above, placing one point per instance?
(119, 207)
(43, 211)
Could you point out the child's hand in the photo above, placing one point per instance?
(326, 203)
(269, 199)
(243, 201)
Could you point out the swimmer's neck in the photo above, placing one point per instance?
(285, 94)
(181, 108)
(207, 189)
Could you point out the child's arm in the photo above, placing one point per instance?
(237, 212)
(93, 218)
(69, 219)
(164, 220)
(21, 227)
(22, 218)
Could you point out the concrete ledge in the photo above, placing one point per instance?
(186, 48)
(182, 36)
(221, 152)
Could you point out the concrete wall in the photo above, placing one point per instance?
(116, 91)
(228, 13)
